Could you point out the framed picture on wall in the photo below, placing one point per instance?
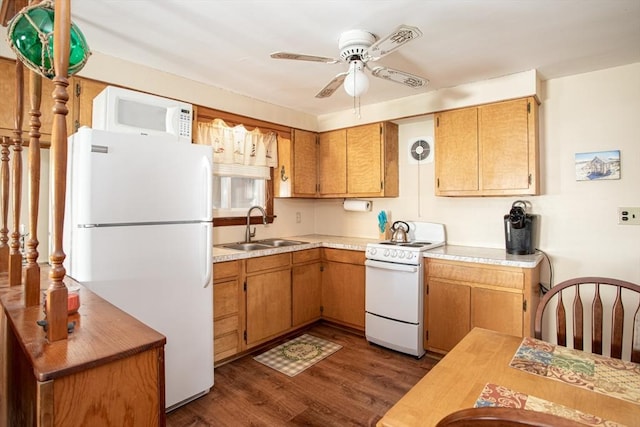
(598, 165)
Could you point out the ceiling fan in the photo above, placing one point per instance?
(358, 48)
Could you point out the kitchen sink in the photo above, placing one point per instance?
(246, 246)
(279, 242)
(261, 244)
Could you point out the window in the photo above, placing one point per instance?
(244, 185)
(233, 196)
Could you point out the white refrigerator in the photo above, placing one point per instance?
(138, 232)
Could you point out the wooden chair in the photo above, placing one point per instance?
(578, 288)
(504, 417)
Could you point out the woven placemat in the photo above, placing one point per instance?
(298, 354)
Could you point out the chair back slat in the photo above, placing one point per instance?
(635, 342)
(597, 288)
(578, 321)
(561, 322)
(596, 322)
(617, 326)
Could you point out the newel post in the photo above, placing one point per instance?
(56, 306)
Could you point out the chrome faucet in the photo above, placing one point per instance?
(248, 234)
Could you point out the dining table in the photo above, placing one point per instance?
(489, 368)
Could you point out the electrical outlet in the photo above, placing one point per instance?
(298, 217)
(629, 216)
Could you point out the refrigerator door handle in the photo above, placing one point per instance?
(208, 188)
(208, 268)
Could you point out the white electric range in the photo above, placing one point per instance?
(394, 297)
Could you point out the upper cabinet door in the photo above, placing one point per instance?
(84, 90)
(456, 151)
(305, 176)
(504, 134)
(332, 163)
(365, 160)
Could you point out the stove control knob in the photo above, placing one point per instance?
(410, 255)
(401, 254)
(394, 253)
(372, 251)
(386, 252)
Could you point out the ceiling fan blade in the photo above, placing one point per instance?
(397, 76)
(332, 86)
(400, 36)
(301, 57)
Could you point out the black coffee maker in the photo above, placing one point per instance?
(520, 229)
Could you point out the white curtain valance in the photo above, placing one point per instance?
(237, 151)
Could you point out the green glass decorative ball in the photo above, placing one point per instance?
(30, 35)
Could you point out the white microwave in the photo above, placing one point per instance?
(122, 110)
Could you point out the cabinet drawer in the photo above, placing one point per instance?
(268, 262)
(346, 256)
(224, 326)
(306, 255)
(225, 298)
(485, 275)
(225, 269)
(225, 346)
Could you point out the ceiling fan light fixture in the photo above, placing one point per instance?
(356, 83)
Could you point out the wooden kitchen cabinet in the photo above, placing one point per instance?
(332, 163)
(361, 161)
(464, 295)
(343, 287)
(306, 286)
(488, 150)
(297, 174)
(82, 91)
(448, 314)
(268, 297)
(372, 160)
(228, 310)
(8, 95)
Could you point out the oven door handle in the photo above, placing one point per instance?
(391, 266)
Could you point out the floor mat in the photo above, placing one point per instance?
(298, 354)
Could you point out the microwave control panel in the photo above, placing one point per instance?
(184, 123)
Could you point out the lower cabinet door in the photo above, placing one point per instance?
(497, 310)
(449, 319)
(307, 293)
(268, 305)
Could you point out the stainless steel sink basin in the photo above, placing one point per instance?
(261, 244)
(251, 246)
(279, 242)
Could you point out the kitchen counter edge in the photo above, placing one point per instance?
(494, 256)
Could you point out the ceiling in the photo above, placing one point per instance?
(227, 43)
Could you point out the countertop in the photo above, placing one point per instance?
(473, 254)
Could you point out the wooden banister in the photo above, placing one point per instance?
(56, 306)
(15, 257)
(4, 200)
(32, 269)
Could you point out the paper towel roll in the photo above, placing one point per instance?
(357, 205)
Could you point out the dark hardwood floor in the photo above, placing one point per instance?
(353, 387)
